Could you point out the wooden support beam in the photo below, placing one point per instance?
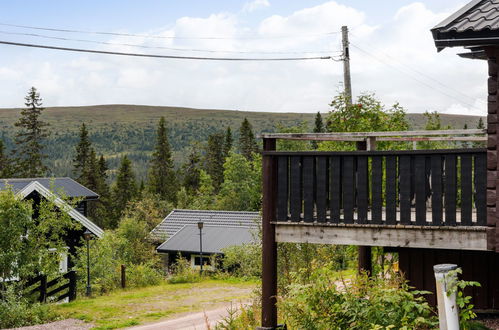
(431, 237)
(364, 258)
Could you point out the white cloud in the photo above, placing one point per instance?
(397, 60)
(255, 4)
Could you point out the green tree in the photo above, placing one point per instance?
(205, 198)
(242, 188)
(5, 165)
(125, 189)
(228, 142)
(81, 162)
(214, 159)
(191, 172)
(247, 142)
(318, 128)
(30, 137)
(479, 144)
(293, 145)
(433, 123)
(162, 176)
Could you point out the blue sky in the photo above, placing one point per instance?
(396, 59)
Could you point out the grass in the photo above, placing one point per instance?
(125, 308)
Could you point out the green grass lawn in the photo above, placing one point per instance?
(124, 308)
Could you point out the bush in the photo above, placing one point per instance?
(183, 272)
(243, 260)
(145, 274)
(16, 311)
(362, 303)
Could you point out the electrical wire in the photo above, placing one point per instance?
(409, 75)
(167, 48)
(162, 37)
(166, 56)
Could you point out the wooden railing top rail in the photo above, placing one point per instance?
(422, 135)
(375, 152)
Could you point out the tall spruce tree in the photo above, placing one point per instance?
(29, 138)
(228, 142)
(192, 172)
(4, 162)
(82, 160)
(125, 189)
(162, 177)
(214, 159)
(247, 142)
(101, 210)
(318, 128)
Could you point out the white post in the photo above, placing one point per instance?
(448, 312)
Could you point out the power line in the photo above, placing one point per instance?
(162, 37)
(162, 47)
(409, 75)
(166, 56)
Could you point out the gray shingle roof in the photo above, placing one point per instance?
(477, 23)
(68, 186)
(215, 238)
(177, 219)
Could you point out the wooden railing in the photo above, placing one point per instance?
(412, 187)
(56, 289)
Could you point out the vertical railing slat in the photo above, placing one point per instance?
(308, 188)
(321, 184)
(335, 188)
(377, 189)
(480, 178)
(391, 190)
(295, 202)
(405, 189)
(450, 189)
(466, 189)
(362, 189)
(348, 188)
(436, 190)
(420, 188)
(282, 188)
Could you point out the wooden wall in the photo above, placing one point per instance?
(483, 267)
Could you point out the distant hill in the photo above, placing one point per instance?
(118, 129)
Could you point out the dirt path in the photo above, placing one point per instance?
(191, 321)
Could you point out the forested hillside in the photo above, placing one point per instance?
(118, 129)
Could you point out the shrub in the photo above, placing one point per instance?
(243, 260)
(183, 272)
(374, 303)
(16, 311)
(143, 275)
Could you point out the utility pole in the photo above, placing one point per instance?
(347, 82)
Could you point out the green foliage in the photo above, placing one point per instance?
(360, 303)
(82, 166)
(16, 311)
(228, 142)
(125, 189)
(191, 172)
(243, 260)
(214, 159)
(30, 138)
(457, 286)
(5, 162)
(162, 176)
(205, 197)
(479, 144)
(183, 272)
(241, 189)
(291, 145)
(247, 143)
(318, 128)
(144, 274)
(433, 123)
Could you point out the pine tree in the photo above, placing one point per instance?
(4, 162)
(479, 144)
(191, 170)
(162, 176)
(318, 128)
(214, 159)
(228, 142)
(247, 142)
(125, 189)
(81, 162)
(100, 210)
(29, 138)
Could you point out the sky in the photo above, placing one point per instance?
(392, 54)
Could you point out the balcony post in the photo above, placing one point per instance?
(269, 245)
(364, 252)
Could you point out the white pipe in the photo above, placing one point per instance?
(448, 311)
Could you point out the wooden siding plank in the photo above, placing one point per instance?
(466, 189)
(450, 190)
(321, 184)
(405, 189)
(308, 189)
(391, 190)
(348, 188)
(377, 189)
(362, 189)
(335, 187)
(436, 190)
(480, 173)
(282, 188)
(420, 189)
(295, 188)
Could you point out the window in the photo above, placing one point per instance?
(206, 260)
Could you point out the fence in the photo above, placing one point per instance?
(57, 289)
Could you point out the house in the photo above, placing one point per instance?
(54, 188)
(179, 233)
